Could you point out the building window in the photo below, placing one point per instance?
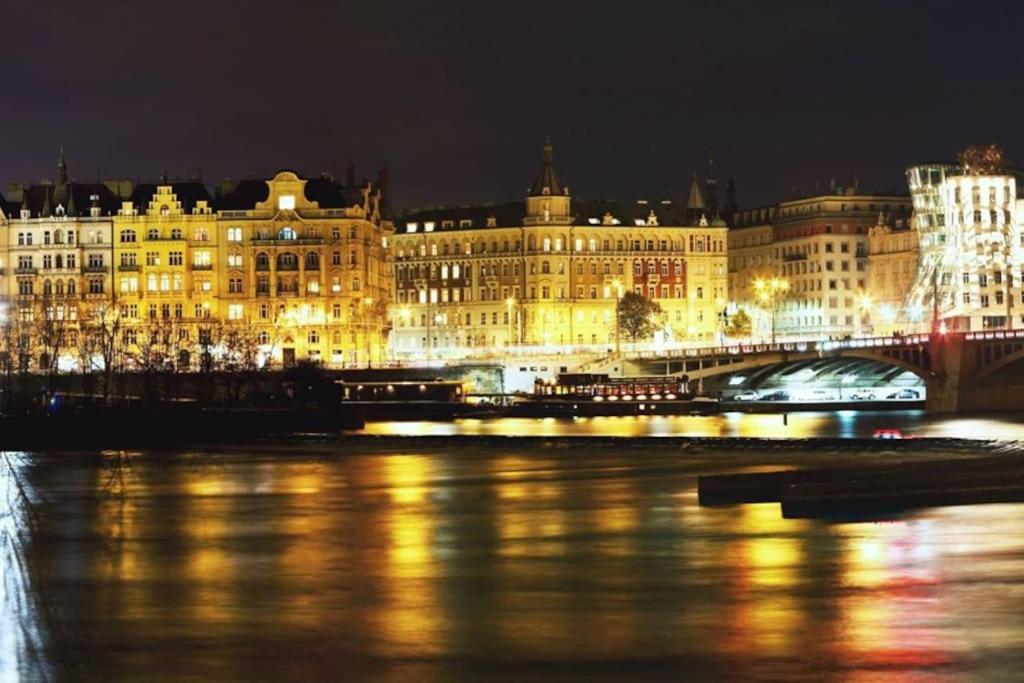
(235, 311)
(234, 234)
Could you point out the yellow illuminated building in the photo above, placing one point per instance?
(275, 270)
(819, 246)
(498, 278)
(892, 266)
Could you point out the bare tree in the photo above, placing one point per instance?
(101, 347)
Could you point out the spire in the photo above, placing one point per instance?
(25, 206)
(694, 202)
(730, 209)
(69, 210)
(350, 175)
(62, 168)
(711, 191)
(163, 177)
(547, 182)
(47, 204)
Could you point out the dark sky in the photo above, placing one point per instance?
(458, 96)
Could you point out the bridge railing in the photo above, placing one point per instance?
(798, 346)
(994, 335)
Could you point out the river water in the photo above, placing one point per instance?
(484, 561)
(797, 425)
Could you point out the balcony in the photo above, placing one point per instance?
(302, 241)
(795, 257)
(202, 266)
(263, 266)
(128, 267)
(25, 270)
(288, 266)
(96, 269)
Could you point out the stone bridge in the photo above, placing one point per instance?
(962, 372)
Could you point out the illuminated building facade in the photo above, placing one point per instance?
(893, 255)
(970, 245)
(819, 246)
(285, 269)
(57, 252)
(546, 275)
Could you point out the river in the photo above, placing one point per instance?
(797, 425)
(483, 562)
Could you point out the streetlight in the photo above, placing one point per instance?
(617, 284)
(768, 291)
(367, 302)
(509, 303)
(864, 304)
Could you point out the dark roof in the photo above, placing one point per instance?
(326, 191)
(76, 198)
(330, 194)
(188, 193)
(585, 212)
(547, 182)
(506, 214)
(241, 195)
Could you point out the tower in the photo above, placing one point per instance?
(730, 208)
(547, 200)
(711, 192)
(695, 209)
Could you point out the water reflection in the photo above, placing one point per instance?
(484, 564)
(842, 423)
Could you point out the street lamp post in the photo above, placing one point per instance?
(510, 304)
(617, 284)
(768, 292)
(367, 311)
(864, 304)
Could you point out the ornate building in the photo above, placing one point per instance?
(892, 266)
(488, 279)
(284, 269)
(818, 247)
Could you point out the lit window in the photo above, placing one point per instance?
(234, 311)
(286, 202)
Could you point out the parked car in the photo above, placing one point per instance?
(746, 396)
(905, 394)
(821, 395)
(863, 395)
(888, 434)
(775, 396)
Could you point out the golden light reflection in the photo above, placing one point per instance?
(767, 615)
(412, 622)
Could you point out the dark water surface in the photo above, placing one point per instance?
(483, 563)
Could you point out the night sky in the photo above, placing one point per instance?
(457, 97)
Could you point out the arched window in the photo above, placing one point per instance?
(176, 233)
(262, 260)
(286, 234)
(151, 282)
(312, 260)
(47, 288)
(152, 234)
(71, 286)
(287, 261)
(60, 287)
